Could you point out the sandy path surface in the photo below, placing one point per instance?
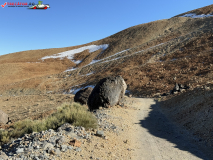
(156, 138)
(143, 133)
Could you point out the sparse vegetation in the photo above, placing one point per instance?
(72, 113)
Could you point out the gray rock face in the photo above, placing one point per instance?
(3, 117)
(43, 145)
(107, 93)
(83, 95)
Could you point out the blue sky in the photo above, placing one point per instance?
(75, 22)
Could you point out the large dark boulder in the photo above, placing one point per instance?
(83, 95)
(107, 93)
(3, 117)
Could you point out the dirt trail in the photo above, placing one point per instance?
(156, 138)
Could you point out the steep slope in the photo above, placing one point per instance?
(151, 57)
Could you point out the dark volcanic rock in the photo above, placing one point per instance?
(107, 93)
(177, 88)
(3, 117)
(83, 95)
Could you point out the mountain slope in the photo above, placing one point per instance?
(149, 56)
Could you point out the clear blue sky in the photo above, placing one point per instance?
(75, 22)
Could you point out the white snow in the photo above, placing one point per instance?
(88, 74)
(72, 69)
(104, 59)
(69, 54)
(95, 61)
(75, 90)
(193, 15)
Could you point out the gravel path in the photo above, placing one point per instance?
(156, 138)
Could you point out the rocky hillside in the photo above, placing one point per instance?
(151, 57)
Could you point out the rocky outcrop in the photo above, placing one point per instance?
(177, 88)
(83, 95)
(3, 117)
(107, 93)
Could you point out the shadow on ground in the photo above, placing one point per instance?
(159, 126)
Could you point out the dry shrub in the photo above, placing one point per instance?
(4, 136)
(73, 113)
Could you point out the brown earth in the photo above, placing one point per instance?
(148, 134)
(31, 106)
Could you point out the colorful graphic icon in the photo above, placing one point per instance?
(3, 5)
(40, 6)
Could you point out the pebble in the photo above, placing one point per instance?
(78, 149)
(43, 144)
(47, 144)
(100, 133)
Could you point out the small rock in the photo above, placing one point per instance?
(78, 149)
(48, 145)
(69, 147)
(63, 148)
(19, 150)
(75, 143)
(55, 151)
(100, 133)
(61, 140)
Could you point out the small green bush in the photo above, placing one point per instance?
(4, 136)
(73, 113)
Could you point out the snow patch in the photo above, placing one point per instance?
(88, 74)
(72, 69)
(69, 54)
(75, 90)
(193, 15)
(104, 59)
(95, 61)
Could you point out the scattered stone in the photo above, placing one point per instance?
(3, 156)
(41, 145)
(177, 88)
(63, 148)
(100, 133)
(83, 95)
(69, 147)
(48, 146)
(55, 151)
(78, 149)
(61, 140)
(107, 93)
(19, 150)
(75, 143)
(3, 117)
